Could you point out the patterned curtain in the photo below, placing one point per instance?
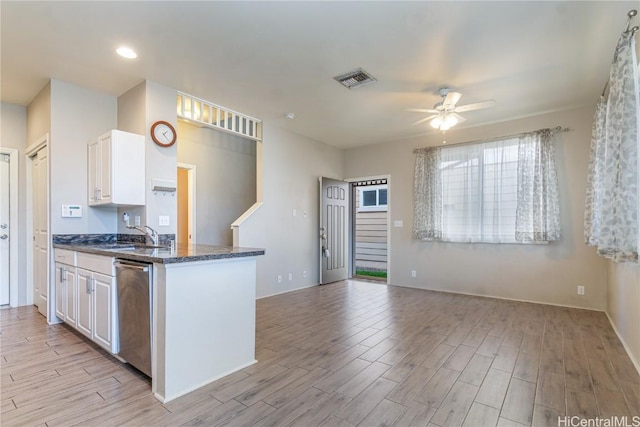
(427, 190)
(538, 208)
(611, 212)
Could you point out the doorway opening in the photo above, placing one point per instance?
(186, 229)
(370, 237)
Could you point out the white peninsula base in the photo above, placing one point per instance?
(203, 323)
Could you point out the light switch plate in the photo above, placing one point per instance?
(398, 223)
(163, 220)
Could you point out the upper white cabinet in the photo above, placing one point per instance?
(116, 169)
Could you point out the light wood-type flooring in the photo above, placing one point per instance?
(345, 354)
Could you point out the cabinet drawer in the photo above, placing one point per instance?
(65, 256)
(97, 263)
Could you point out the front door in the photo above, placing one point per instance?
(4, 229)
(334, 230)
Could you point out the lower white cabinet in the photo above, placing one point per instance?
(104, 327)
(65, 293)
(86, 297)
(85, 302)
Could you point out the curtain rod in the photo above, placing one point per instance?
(555, 130)
(630, 15)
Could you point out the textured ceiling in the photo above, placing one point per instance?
(267, 58)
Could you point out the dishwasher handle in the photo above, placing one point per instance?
(121, 264)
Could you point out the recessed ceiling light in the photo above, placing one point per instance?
(126, 52)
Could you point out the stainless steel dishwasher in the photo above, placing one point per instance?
(134, 313)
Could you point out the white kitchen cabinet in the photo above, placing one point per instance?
(85, 302)
(61, 294)
(116, 169)
(65, 284)
(104, 296)
(86, 296)
(65, 293)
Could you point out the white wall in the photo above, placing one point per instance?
(78, 115)
(138, 109)
(131, 118)
(161, 162)
(39, 115)
(623, 305)
(225, 179)
(541, 273)
(13, 134)
(291, 166)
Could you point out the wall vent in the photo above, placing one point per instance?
(355, 78)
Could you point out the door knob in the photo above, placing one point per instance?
(4, 237)
(3, 226)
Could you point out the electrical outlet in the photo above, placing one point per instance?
(136, 220)
(295, 212)
(413, 273)
(163, 220)
(580, 290)
(290, 276)
(304, 274)
(279, 278)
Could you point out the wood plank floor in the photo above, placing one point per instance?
(346, 354)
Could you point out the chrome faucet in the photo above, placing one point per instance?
(151, 233)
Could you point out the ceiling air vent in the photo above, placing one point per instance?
(355, 78)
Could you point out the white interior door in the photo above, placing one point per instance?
(5, 237)
(334, 230)
(40, 170)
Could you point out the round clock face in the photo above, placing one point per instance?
(163, 134)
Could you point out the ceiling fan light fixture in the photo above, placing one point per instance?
(436, 123)
(450, 121)
(444, 122)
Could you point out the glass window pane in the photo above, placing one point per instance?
(382, 197)
(369, 198)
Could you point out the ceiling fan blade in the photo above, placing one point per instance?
(424, 120)
(421, 110)
(477, 106)
(451, 99)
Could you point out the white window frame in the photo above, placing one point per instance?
(378, 207)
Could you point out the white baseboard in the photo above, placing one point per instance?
(290, 290)
(502, 298)
(636, 363)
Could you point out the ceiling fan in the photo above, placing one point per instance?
(445, 113)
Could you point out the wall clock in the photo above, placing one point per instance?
(163, 133)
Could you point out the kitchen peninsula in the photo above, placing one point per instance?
(203, 309)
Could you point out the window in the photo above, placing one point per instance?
(372, 198)
(502, 191)
(479, 192)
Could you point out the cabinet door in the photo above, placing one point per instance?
(103, 294)
(105, 169)
(61, 297)
(93, 173)
(85, 302)
(71, 306)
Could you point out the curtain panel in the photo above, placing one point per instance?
(427, 188)
(537, 212)
(611, 210)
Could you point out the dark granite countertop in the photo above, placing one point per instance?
(137, 252)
